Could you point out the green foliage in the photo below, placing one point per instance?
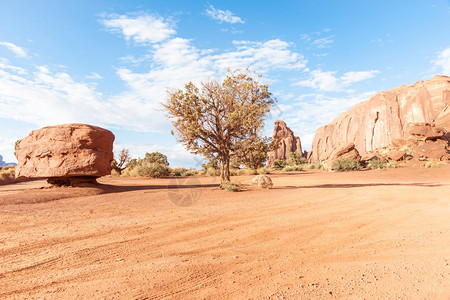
(253, 152)
(211, 164)
(231, 186)
(152, 165)
(156, 158)
(345, 164)
(279, 164)
(294, 159)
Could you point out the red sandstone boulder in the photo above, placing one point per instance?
(426, 131)
(78, 151)
(432, 150)
(346, 151)
(396, 155)
(387, 116)
(287, 143)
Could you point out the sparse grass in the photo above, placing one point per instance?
(179, 171)
(293, 168)
(376, 164)
(434, 164)
(342, 165)
(231, 186)
(317, 166)
(7, 174)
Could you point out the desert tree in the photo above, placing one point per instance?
(214, 119)
(123, 159)
(253, 152)
(156, 158)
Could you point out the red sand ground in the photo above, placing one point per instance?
(358, 235)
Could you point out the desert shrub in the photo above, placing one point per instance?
(317, 166)
(264, 170)
(191, 172)
(293, 168)
(155, 170)
(279, 164)
(294, 159)
(434, 164)
(115, 173)
(156, 158)
(179, 171)
(7, 174)
(231, 186)
(211, 171)
(376, 164)
(346, 164)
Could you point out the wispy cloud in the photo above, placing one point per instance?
(223, 15)
(18, 51)
(317, 39)
(327, 81)
(443, 61)
(142, 29)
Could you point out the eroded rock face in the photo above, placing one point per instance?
(387, 116)
(287, 143)
(66, 151)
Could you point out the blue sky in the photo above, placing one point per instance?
(110, 63)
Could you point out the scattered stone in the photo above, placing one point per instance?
(262, 181)
(426, 131)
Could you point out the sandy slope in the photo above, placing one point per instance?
(372, 235)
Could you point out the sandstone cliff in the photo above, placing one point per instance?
(387, 116)
(287, 143)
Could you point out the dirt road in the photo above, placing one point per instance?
(316, 235)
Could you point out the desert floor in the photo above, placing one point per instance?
(358, 235)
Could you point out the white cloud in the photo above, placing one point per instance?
(18, 51)
(94, 76)
(351, 77)
(223, 15)
(324, 42)
(443, 61)
(321, 110)
(142, 29)
(328, 82)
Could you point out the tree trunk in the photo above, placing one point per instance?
(224, 170)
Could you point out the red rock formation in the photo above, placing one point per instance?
(287, 143)
(387, 116)
(66, 151)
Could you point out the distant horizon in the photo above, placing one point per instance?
(110, 63)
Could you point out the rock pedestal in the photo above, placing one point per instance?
(66, 154)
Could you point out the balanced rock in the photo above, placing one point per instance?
(66, 154)
(387, 116)
(346, 151)
(262, 181)
(287, 143)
